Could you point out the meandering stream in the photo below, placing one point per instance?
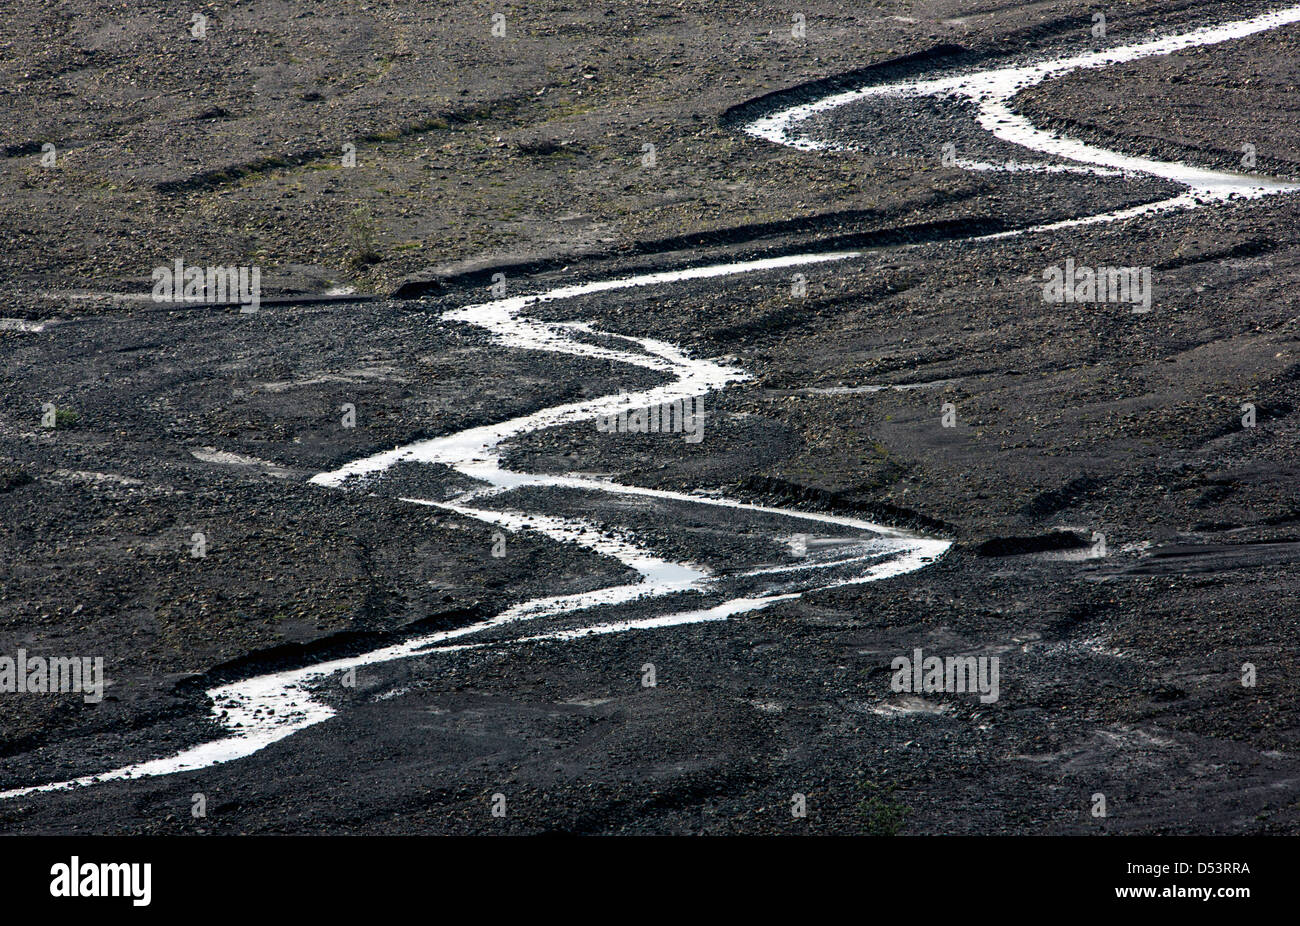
(259, 711)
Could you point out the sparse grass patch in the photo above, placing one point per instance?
(363, 251)
(880, 814)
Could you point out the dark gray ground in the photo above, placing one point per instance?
(1119, 675)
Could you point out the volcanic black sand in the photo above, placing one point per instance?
(1120, 674)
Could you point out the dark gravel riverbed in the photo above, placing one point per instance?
(1121, 672)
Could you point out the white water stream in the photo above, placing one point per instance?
(259, 711)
